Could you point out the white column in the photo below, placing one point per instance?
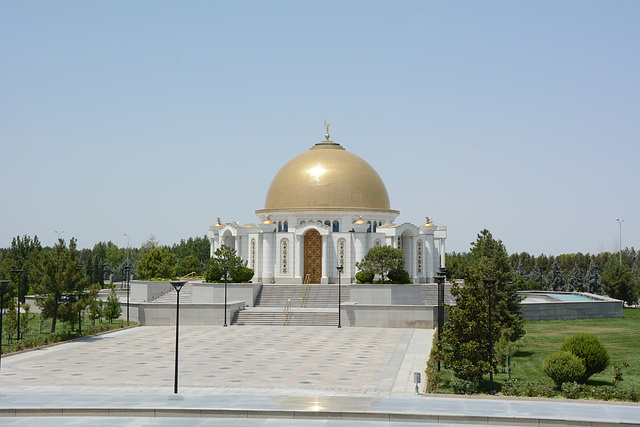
(267, 255)
(298, 259)
(359, 246)
(442, 254)
(414, 261)
(325, 262)
(429, 251)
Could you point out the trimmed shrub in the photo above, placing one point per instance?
(214, 273)
(241, 274)
(399, 276)
(460, 386)
(527, 388)
(365, 276)
(563, 367)
(572, 390)
(590, 349)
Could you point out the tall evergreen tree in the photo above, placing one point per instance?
(592, 282)
(159, 262)
(111, 308)
(58, 282)
(535, 275)
(520, 272)
(555, 278)
(619, 283)
(574, 283)
(466, 334)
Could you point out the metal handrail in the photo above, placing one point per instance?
(305, 290)
(286, 313)
(190, 274)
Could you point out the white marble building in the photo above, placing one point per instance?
(326, 208)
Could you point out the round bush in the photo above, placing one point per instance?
(214, 273)
(563, 367)
(590, 349)
(241, 274)
(365, 276)
(399, 276)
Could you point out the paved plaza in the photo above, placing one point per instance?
(280, 360)
(258, 376)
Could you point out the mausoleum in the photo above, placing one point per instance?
(325, 209)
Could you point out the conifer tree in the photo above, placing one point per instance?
(58, 281)
(555, 278)
(519, 271)
(112, 309)
(592, 281)
(574, 283)
(466, 334)
(535, 275)
(619, 283)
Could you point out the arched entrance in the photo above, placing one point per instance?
(313, 256)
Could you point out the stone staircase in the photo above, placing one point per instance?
(319, 308)
(186, 295)
(429, 294)
(274, 316)
(318, 296)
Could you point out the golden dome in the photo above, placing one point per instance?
(327, 177)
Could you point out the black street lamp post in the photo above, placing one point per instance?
(177, 285)
(226, 270)
(78, 298)
(339, 268)
(127, 268)
(490, 283)
(3, 286)
(19, 273)
(440, 278)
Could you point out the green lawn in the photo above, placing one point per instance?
(621, 337)
(39, 332)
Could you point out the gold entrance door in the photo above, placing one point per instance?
(313, 256)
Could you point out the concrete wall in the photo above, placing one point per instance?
(154, 314)
(572, 310)
(210, 293)
(386, 294)
(145, 291)
(390, 316)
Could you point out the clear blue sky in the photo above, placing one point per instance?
(154, 117)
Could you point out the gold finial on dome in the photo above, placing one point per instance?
(218, 223)
(360, 220)
(429, 221)
(268, 220)
(327, 126)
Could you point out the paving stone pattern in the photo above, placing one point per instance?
(320, 360)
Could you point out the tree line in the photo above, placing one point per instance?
(66, 280)
(614, 274)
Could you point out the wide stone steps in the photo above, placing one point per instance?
(429, 294)
(271, 316)
(318, 296)
(186, 295)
